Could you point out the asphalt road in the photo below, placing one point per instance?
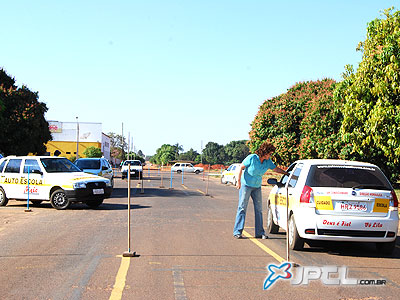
(185, 246)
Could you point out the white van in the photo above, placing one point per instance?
(50, 178)
(335, 200)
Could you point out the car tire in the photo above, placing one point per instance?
(179, 171)
(197, 171)
(295, 241)
(95, 202)
(223, 181)
(36, 202)
(3, 197)
(234, 181)
(386, 248)
(271, 226)
(59, 199)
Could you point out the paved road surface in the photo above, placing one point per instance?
(184, 239)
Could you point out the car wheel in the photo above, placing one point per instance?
(271, 226)
(95, 203)
(36, 202)
(386, 248)
(295, 241)
(179, 171)
(197, 171)
(3, 197)
(234, 181)
(59, 199)
(223, 181)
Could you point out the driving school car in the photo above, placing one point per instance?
(48, 178)
(334, 200)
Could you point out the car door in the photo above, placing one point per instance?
(279, 199)
(12, 175)
(33, 174)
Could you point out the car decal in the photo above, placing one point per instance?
(381, 205)
(323, 202)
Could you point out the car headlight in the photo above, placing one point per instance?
(79, 185)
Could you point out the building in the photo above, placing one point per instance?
(65, 138)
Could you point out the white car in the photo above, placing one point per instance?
(96, 166)
(136, 169)
(50, 178)
(231, 174)
(335, 200)
(186, 168)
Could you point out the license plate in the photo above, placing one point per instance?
(98, 191)
(351, 206)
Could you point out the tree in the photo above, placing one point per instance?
(23, 126)
(236, 151)
(371, 114)
(165, 154)
(213, 153)
(140, 153)
(93, 152)
(284, 121)
(118, 145)
(190, 155)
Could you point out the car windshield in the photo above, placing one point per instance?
(347, 177)
(133, 163)
(58, 165)
(88, 164)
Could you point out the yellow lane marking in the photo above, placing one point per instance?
(120, 280)
(185, 187)
(201, 192)
(263, 247)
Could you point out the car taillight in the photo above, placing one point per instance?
(394, 199)
(307, 195)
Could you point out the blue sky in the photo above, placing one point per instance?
(185, 72)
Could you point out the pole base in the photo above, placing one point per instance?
(28, 210)
(130, 254)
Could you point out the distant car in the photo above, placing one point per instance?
(186, 168)
(136, 169)
(96, 166)
(50, 178)
(335, 200)
(231, 174)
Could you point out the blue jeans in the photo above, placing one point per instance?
(244, 195)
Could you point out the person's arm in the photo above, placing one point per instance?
(239, 182)
(280, 171)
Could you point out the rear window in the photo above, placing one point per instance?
(347, 177)
(133, 162)
(88, 164)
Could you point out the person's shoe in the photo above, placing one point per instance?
(237, 236)
(263, 237)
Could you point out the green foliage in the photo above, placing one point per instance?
(164, 155)
(299, 122)
(93, 152)
(118, 145)
(236, 152)
(213, 153)
(134, 156)
(190, 155)
(24, 129)
(371, 114)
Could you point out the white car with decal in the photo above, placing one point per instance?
(334, 200)
(50, 178)
(231, 174)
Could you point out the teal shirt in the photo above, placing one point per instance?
(252, 174)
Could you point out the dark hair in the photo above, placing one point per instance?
(264, 149)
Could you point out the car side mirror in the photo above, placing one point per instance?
(37, 172)
(274, 181)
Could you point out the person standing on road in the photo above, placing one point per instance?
(249, 182)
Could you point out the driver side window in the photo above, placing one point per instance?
(285, 178)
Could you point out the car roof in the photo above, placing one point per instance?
(334, 161)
